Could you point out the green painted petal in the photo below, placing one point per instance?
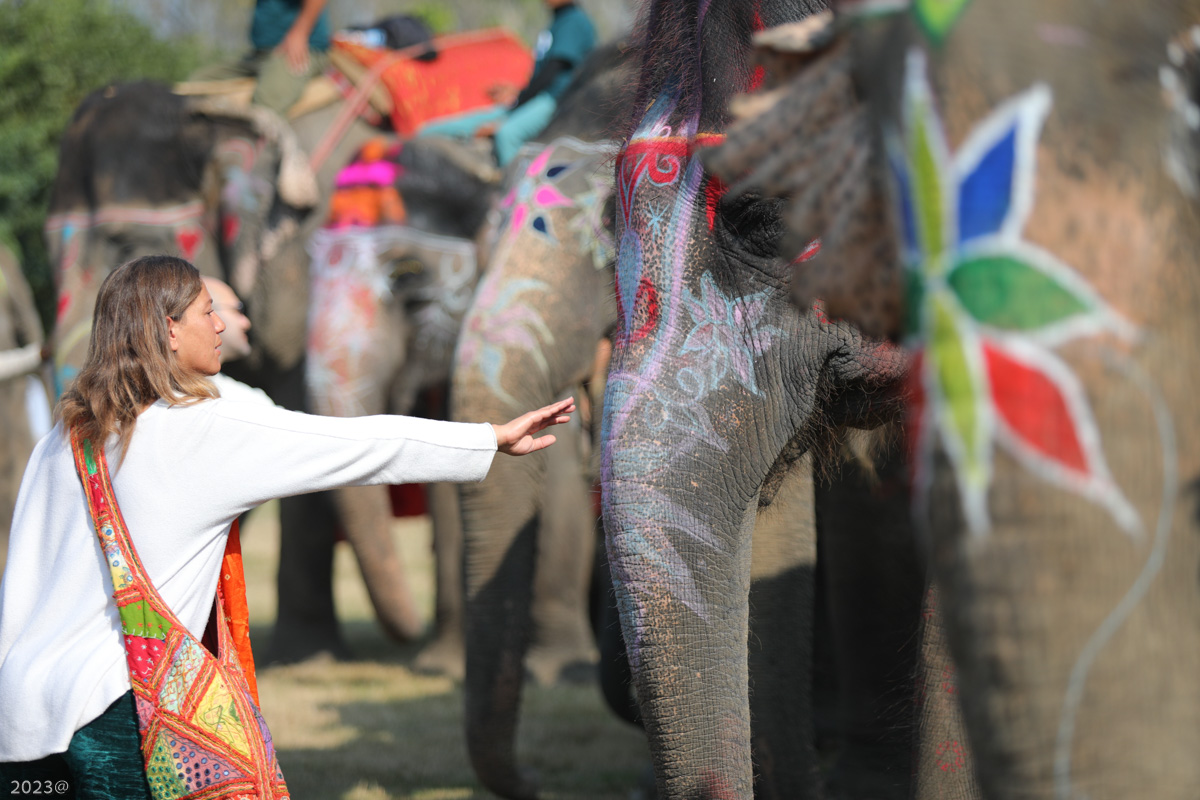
(914, 297)
(927, 188)
(1008, 293)
(960, 394)
(937, 17)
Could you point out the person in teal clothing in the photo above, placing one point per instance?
(289, 40)
(520, 116)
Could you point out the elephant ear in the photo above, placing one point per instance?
(806, 136)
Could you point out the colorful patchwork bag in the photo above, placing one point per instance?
(201, 733)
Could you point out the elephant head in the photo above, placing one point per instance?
(1052, 147)
(387, 304)
(718, 384)
(142, 171)
(543, 306)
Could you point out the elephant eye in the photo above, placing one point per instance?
(406, 275)
(752, 223)
(405, 267)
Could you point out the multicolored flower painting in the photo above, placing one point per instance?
(535, 194)
(990, 307)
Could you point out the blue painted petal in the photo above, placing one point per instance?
(985, 196)
(554, 171)
(908, 221)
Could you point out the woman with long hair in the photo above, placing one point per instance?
(121, 537)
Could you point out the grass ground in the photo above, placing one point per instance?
(373, 729)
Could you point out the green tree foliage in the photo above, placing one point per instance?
(52, 54)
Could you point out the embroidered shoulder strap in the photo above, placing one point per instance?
(202, 735)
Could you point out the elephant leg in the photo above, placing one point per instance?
(945, 767)
(445, 654)
(366, 515)
(874, 584)
(563, 646)
(782, 595)
(305, 624)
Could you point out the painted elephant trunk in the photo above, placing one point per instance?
(541, 308)
(682, 577)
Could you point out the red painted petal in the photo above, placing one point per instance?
(1034, 408)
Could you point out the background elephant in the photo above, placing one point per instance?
(387, 302)
(143, 171)
(1064, 535)
(23, 405)
(1052, 446)
(533, 330)
(718, 387)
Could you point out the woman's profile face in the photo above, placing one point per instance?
(196, 337)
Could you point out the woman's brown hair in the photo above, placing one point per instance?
(130, 363)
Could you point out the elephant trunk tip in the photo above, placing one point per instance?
(504, 779)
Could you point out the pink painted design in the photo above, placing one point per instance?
(950, 680)
(950, 755)
(532, 197)
(549, 197)
(518, 217)
(539, 163)
(64, 303)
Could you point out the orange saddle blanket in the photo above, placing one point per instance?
(468, 65)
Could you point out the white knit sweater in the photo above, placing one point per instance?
(188, 473)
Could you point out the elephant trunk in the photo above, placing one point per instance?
(499, 552)
(684, 614)
(681, 569)
(366, 515)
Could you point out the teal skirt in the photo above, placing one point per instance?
(103, 762)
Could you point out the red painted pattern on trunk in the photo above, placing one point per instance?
(1034, 408)
(714, 190)
(645, 310)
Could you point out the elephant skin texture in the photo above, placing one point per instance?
(542, 307)
(719, 385)
(1055, 485)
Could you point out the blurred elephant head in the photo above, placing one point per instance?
(142, 170)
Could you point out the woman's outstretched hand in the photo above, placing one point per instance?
(516, 437)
